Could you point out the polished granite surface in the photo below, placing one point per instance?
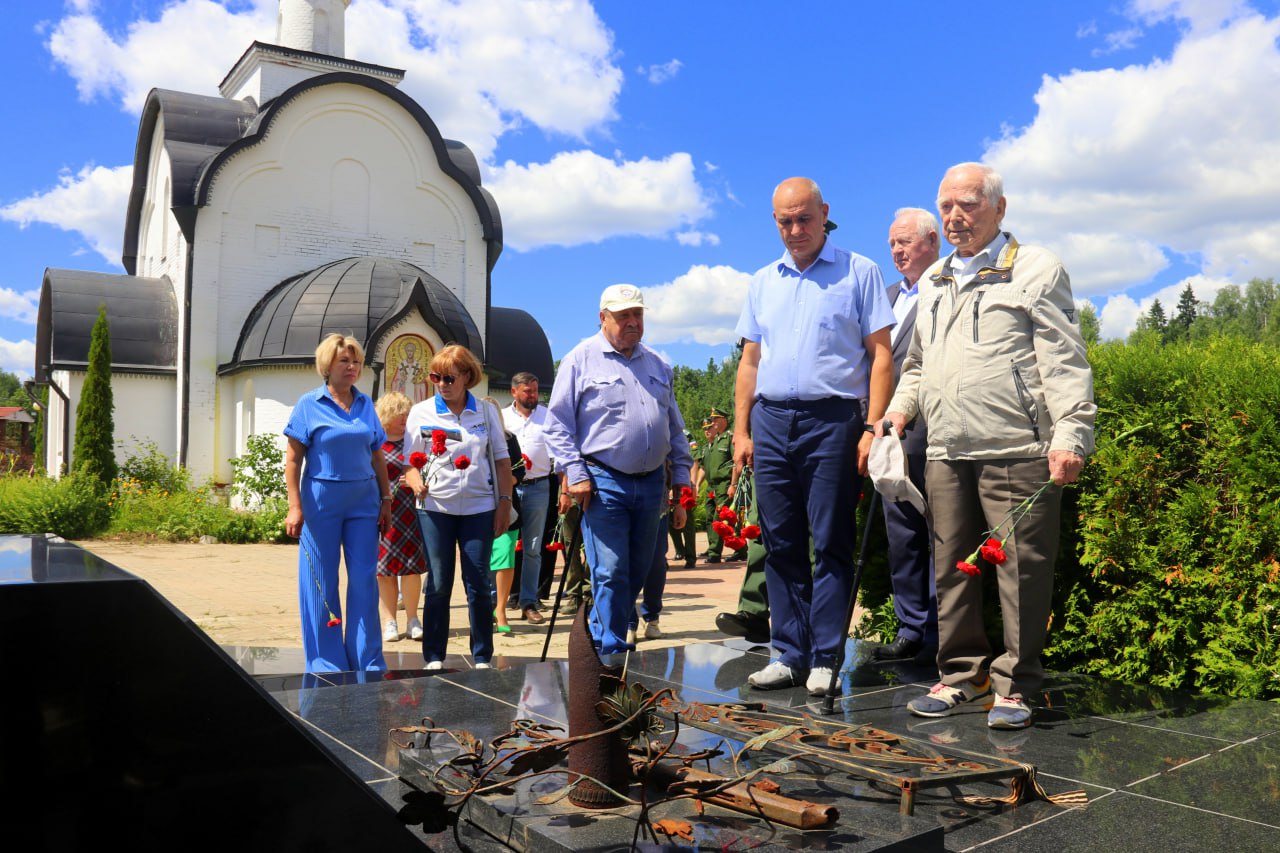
(1163, 770)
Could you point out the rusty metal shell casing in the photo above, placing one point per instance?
(601, 758)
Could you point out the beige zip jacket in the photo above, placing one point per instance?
(997, 368)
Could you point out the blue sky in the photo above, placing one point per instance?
(640, 142)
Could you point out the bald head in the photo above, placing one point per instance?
(800, 214)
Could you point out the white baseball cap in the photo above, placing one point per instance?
(620, 297)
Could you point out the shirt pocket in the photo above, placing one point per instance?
(606, 392)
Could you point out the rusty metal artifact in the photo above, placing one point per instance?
(601, 761)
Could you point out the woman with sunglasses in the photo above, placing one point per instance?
(463, 485)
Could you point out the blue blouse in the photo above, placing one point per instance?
(339, 443)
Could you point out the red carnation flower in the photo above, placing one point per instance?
(711, 495)
(968, 568)
(437, 442)
(727, 514)
(737, 543)
(334, 622)
(723, 529)
(993, 552)
(417, 459)
(686, 492)
(519, 544)
(751, 531)
(555, 546)
(462, 463)
(528, 463)
(688, 501)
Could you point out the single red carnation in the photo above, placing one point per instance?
(711, 495)
(555, 546)
(519, 544)
(737, 543)
(968, 568)
(462, 463)
(528, 463)
(751, 531)
(686, 492)
(417, 459)
(722, 528)
(727, 514)
(688, 501)
(993, 552)
(334, 622)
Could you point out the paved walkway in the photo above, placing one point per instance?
(247, 595)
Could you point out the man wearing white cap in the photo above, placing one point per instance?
(612, 425)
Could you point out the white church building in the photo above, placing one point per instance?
(312, 197)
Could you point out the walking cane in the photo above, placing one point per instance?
(564, 575)
(828, 703)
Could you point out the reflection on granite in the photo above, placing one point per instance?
(1238, 780)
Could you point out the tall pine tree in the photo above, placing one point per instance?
(95, 453)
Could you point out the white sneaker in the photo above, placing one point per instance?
(652, 631)
(773, 676)
(415, 629)
(484, 666)
(819, 681)
(390, 631)
(434, 665)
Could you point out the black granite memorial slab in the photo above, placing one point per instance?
(146, 736)
(1240, 780)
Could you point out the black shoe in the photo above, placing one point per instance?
(713, 558)
(900, 649)
(928, 655)
(739, 555)
(570, 605)
(755, 629)
(690, 564)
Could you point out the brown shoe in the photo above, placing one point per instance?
(532, 616)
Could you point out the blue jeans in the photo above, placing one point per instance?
(532, 521)
(445, 536)
(655, 582)
(339, 517)
(807, 483)
(618, 529)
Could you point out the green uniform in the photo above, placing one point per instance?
(717, 467)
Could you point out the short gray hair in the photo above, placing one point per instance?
(926, 222)
(992, 183)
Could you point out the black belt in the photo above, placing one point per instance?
(615, 472)
(529, 481)
(821, 404)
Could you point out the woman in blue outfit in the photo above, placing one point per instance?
(338, 500)
(464, 498)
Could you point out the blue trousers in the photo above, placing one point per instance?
(807, 484)
(655, 582)
(910, 563)
(618, 530)
(340, 519)
(446, 536)
(532, 521)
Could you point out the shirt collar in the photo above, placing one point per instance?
(442, 407)
(606, 347)
(826, 253)
(986, 257)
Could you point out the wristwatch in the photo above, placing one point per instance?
(869, 428)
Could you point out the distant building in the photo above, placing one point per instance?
(312, 197)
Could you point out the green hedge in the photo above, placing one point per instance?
(1177, 522)
(73, 507)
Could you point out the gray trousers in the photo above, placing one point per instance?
(968, 497)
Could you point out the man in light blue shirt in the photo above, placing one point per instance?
(612, 425)
(815, 364)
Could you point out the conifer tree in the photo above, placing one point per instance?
(94, 452)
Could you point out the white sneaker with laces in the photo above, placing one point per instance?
(652, 631)
(775, 675)
(390, 631)
(415, 629)
(484, 666)
(434, 665)
(819, 681)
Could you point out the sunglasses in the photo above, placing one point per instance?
(437, 379)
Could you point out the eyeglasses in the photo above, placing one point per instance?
(438, 379)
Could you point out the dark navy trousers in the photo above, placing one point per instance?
(807, 484)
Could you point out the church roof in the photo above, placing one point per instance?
(362, 297)
(201, 132)
(516, 343)
(142, 316)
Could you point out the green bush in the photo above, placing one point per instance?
(150, 467)
(73, 507)
(258, 475)
(1178, 522)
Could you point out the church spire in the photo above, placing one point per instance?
(312, 25)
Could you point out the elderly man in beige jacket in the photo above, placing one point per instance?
(997, 369)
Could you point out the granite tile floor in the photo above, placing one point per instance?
(1162, 770)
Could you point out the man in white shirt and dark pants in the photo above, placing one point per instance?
(525, 418)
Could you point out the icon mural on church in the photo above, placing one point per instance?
(407, 361)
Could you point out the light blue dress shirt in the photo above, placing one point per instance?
(339, 443)
(810, 325)
(620, 411)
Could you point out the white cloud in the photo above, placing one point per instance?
(580, 197)
(17, 357)
(702, 306)
(657, 74)
(1199, 15)
(1120, 315)
(90, 202)
(19, 306)
(697, 238)
(1178, 156)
